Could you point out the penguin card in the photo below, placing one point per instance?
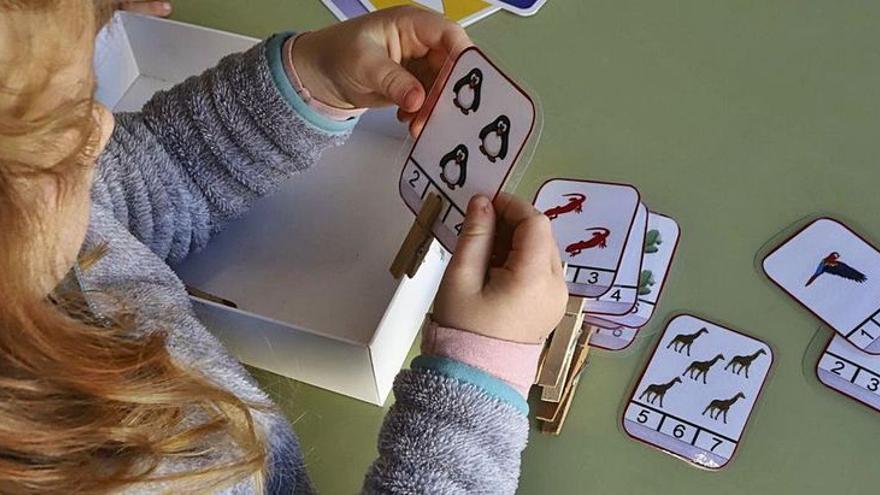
(621, 298)
(613, 339)
(851, 372)
(521, 7)
(661, 243)
(835, 274)
(479, 124)
(697, 392)
(591, 222)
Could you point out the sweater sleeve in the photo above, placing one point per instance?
(453, 429)
(199, 154)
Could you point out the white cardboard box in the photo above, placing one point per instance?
(307, 266)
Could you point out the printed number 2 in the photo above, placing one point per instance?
(837, 367)
(416, 177)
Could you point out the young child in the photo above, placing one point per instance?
(110, 383)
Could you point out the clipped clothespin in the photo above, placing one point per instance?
(417, 242)
(557, 360)
(551, 415)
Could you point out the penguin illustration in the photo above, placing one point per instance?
(467, 91)
(453, 167)
(494, 137)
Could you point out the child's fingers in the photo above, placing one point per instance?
(470, 262)
(424, 31)
(395, 83)
(531, 243)
(146, 7)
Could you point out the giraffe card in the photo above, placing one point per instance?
(834, 273)
(851, 372)
(661, 243)
(613, 339)
(698, 391)
(478, 126)
(621, 298)
(591, 223)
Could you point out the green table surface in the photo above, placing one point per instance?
(737, 118)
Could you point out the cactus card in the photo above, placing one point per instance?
(591, 223)
(473, 136)
(698, 391)
(661, 242)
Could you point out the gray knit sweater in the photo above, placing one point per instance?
(196, 157)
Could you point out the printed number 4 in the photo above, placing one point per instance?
(838, 365)
(458, 227)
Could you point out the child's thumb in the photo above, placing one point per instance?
(397, 85)
(473, 251)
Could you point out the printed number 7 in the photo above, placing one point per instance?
(718, 442)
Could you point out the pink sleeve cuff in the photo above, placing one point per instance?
(513, 362)
(329, 111)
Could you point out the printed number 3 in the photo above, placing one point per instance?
(874, 385)
(594, 277)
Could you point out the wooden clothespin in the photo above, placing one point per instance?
(557, 360)
(550, 414)
(415, 246)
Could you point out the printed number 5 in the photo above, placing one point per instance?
(643, 416)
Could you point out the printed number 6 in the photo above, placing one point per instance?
(678, 431)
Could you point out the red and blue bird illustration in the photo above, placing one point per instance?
(832, 264)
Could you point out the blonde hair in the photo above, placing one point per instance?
(87, 406)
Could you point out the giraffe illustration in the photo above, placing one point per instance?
(658, 390)
(685, 341)
(740, 363)
(698, 368)
(719, 407)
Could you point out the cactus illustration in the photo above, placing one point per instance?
(652, 240)
(646, 281)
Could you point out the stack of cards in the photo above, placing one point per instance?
(835, 273)
(617, 254)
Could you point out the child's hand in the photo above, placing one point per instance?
(388, 57)
(505, 279)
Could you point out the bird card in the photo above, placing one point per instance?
(464, 12)
(476, 130)
(613, 339)
(851, 372)
(835, 274)
(698, 390)
(621, 298)
(661, 243)
(591, 222)
(521, 7)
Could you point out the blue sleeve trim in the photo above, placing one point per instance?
(492, 386)
(274, 47)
